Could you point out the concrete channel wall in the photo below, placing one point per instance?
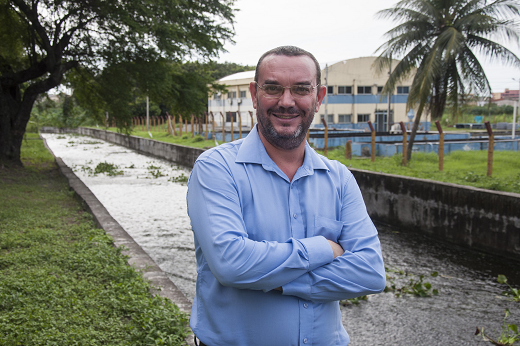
(481, 219)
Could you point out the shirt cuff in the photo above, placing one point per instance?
(301, 287)
(319, 251)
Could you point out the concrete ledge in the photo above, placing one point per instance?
(477, 218)
(138, 258)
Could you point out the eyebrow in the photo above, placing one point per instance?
(273, 82)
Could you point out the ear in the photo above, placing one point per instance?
(321, 95)
(253, 90)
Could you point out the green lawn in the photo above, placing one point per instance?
(460, 167)
(62, 282)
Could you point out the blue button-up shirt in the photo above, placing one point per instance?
(255, 230)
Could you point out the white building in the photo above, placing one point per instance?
(353, 98)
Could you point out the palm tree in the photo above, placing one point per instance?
(438, 40)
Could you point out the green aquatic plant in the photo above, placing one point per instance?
(109, 169)
(514, 293)
(509, 334)
(179, 179)
(416, 286)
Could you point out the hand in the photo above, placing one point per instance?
(336, 248)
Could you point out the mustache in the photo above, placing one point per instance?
(284, 110)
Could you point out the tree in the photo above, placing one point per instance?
(42, 40)
(227, 68)
(438, 40)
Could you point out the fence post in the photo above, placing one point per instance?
(403, 129)
(372, 142)
(441, 145)
(490, 148)
(180, 125)
(192, 127)
(252, 123)
(326, 138)
(206, 123)
(213, 127)
(348, 150)
(223, 128)
(231, 120)
(239, 125)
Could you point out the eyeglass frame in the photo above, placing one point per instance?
(285, 87)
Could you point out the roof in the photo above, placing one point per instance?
(239, 75)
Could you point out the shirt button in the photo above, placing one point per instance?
(294, 215)
(305, 305)
(305, 340)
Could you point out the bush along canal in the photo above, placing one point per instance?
(436, 294)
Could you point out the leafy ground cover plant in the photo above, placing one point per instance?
(61, 280)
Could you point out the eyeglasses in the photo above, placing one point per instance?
(274, 91)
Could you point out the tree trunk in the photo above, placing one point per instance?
(414, 132)
(15, 113)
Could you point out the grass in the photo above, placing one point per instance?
(186, 139)
(62, 282)
(460, 167)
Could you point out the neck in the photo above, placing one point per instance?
(287, 160)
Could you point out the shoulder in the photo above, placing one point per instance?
(223, 153)
(335, 167)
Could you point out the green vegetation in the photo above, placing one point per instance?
(113, 54)
(436, 42)
(514, 293)
(416, 286)
(186, 138)
(61, 280)
(460, 167)
(509, 334)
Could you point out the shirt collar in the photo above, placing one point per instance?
(252, 150)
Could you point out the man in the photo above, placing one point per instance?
(281, 233)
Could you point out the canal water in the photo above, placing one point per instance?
(148, 200)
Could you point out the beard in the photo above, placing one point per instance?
(285, 141)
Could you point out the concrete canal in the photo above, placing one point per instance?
(147, 197)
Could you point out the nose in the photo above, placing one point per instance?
(287, 99)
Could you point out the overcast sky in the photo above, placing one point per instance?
(332, 30)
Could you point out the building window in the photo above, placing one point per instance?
(216, 97)
(242, 94)
(364, 90)
(344, 90)
(403, 90)
(229, 115)
(232, 95)
(379, 90)
(344, 118)
(330, 118)
(363, 118)
(330, 89)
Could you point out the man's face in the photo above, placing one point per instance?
(284, 121)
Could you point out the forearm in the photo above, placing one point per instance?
(234, 259)
(351, 275)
